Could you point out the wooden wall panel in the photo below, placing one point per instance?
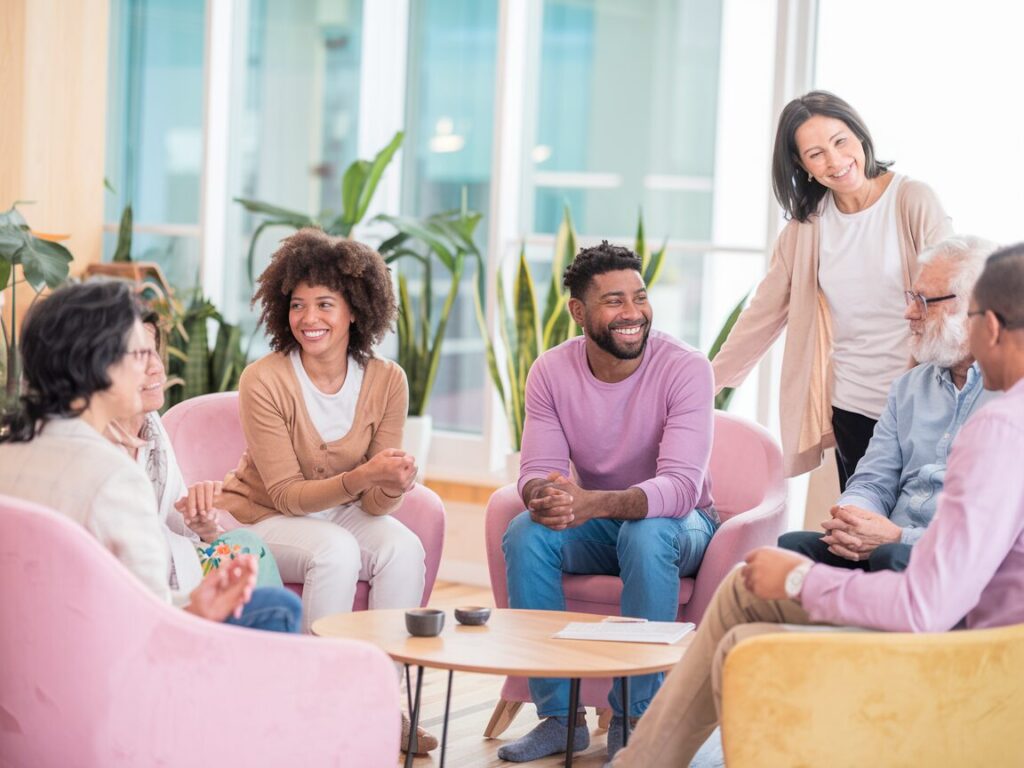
(53, 87)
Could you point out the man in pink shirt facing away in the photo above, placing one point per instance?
(967, 570)
(632, 410)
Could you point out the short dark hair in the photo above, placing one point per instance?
(352, 269)
(68, 343)
(798, 196)
(1000, 289)
(153, 320)
(596, 261)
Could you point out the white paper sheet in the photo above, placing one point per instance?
(662, 632)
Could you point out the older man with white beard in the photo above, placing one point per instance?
(891, 498)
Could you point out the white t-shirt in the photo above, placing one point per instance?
(860, 270)
(331, 414)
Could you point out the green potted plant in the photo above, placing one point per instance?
(358, 184)
(440, 240)
(25, 258)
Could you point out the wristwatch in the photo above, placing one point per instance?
(795, 580)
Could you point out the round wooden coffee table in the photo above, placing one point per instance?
(513, 642)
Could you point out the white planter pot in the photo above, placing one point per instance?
(512, 466)
(416, 439)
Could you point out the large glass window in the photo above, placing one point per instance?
(625, 116)
(155, 130)
(449, 121)
(295, 96)
(945, 95)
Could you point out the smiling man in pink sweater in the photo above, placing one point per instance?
(631, 409)
(967, 570)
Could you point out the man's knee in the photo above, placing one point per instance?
(655, 539)
(524, 535)
(807, 543)
(890, 557)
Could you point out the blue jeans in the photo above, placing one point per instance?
(650, 555)
(274, 609)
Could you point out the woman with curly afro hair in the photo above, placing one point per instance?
(323, 420)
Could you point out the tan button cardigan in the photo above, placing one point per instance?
(288, 468)
(789, 295)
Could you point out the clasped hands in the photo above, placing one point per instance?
(392, 470)
(200, 509)
(559, 503)
(854, 533)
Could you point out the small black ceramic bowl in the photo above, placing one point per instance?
(473, 615)
(424, 622)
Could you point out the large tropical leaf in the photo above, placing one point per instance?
(296, 219)
(45, 264)
(425, 232)
(372, 179)
(352, 184)
(250, 257)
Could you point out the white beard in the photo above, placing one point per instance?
(943, 343)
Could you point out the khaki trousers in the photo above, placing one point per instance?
(685, 711)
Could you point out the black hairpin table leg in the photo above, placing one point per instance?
(574, 703)
(414, 720)
(447, 709)
(625, 710)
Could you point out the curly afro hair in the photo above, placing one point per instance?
(596, 261)
(352, 269)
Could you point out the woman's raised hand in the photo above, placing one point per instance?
(225, 590)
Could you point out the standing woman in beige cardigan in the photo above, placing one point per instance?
(838, 276)
(323, 421)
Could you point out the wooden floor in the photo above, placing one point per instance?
(473, 700)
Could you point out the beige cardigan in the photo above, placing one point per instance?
(790, 295)
(288, 468)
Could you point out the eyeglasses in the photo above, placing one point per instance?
(999, 318)
(142, 355)
(922, 302)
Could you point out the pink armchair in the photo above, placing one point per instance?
(98, 671)
(207, 437)
(750, 496)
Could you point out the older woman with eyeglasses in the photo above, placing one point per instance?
(190, 514)
(837, 281)
(85, 354)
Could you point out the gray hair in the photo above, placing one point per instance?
(1001, 286)
(966, 255)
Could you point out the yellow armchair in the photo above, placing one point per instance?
(859, 699)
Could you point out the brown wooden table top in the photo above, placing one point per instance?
(513, 642)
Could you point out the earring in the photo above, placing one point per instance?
(809, 177)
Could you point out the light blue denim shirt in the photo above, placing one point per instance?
(904, 468)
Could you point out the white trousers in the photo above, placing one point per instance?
(332, 550)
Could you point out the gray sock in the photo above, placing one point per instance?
(548, 738)
(615, 734)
